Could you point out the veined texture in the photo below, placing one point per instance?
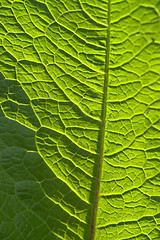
(79, 119)
(129, 203)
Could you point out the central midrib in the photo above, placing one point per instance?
(102, 129)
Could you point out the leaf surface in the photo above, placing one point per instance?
(79, 120)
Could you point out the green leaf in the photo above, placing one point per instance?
(79, 120)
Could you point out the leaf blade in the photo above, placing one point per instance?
(53, 65)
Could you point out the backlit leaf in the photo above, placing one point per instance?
(79, 119)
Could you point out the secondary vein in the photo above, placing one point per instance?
(102, 129)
